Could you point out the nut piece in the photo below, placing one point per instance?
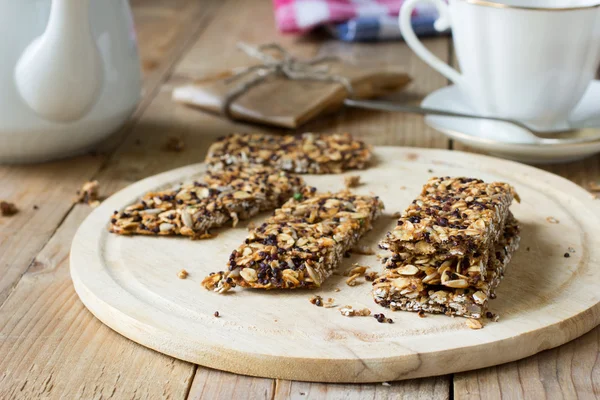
(182, 274)
(8, 209)
(316, 300)
(88, 194)
(348, 311)
(352, 181)
(474, 323)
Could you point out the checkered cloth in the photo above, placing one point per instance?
(352, 20)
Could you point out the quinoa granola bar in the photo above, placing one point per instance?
(301, 244)
(452, 217)
(409, 293)
(231, 194)
(309, 153)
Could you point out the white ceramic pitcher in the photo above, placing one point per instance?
(69, 75)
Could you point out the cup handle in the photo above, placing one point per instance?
(441, 24)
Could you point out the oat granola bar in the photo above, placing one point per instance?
(409, 293)
(231, 194)
(301, 244)
(305, 154)
(452, 216)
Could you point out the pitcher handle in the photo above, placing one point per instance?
(441, 24)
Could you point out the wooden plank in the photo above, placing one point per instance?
(421, 389)
(567, 372)
(52, 347)
(214, 384)
(52, 186)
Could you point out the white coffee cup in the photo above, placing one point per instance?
(518, 59)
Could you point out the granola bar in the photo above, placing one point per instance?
(305, 154)
(452, 216)
(410, 293)
(231, 194)
(301, 244)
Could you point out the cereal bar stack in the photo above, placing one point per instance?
(450, 248)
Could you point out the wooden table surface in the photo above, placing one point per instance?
(51, 346)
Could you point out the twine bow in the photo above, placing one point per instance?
(285, 65)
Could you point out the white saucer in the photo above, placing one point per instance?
(477, 133)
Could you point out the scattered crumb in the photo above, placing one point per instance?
(337, 289)
(356, 270)
(302, 393)
(402, 187)
(593, 186)
(316, 300)
(352, 181)
(364, 250)
(430, 171)
(412, 156)
(88, 194)
(382, 319)
(35, 207)
(571, 250)
(566, 255)
(274, 320)
(371, 276)
(528, 248)
(386, 384)
(206, 235)
(352, 280)
(174, 144)
(421, 314)
(492, 317)
(474, 323)
(552, 220)
(217, 315)
(348, 311)
(182, 274)
(330, 303)
(397, 214)
(8, 209)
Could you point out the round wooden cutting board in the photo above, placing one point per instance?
(546, 299)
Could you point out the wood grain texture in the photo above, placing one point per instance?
(215, 384)
(130, 284)
(52, 347)
(414, 389)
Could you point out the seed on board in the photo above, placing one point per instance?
(182, 274)
(217, 315)
(552, 220)
(566, 255)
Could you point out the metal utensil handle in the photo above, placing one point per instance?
(386, 106)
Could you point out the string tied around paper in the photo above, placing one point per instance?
(285, 65)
